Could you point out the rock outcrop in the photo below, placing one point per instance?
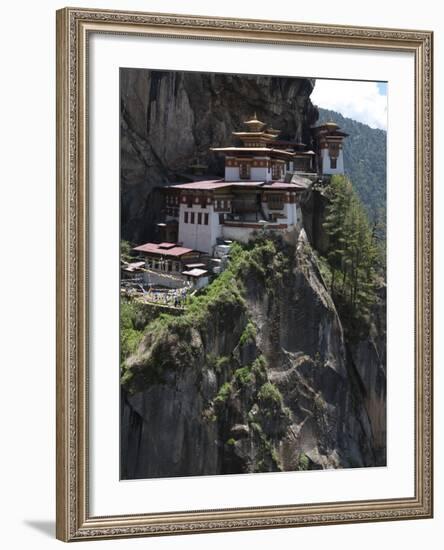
(257, 378)
(169, 121)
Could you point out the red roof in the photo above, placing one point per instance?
(154, 248)
(294, 185)
(265, 150)
(208, 184)
(283, 185)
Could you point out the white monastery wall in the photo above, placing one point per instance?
(232, 173)
(260, 173)
(216, 228)
(199, 236)
(326, 163)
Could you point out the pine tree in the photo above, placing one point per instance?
(353, 255)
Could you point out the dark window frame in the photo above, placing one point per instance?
(244, 171)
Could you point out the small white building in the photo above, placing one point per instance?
(197, 277)
(330, 145)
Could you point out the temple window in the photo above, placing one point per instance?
(275, 202)
(275, 171)
(244, 171)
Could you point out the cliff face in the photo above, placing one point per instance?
(256, 377)
(169, 120)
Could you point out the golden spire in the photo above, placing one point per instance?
(254, 125)
(331, 124)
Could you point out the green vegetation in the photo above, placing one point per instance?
(176, 342)
(244, 375)
(217, 362)
(324, 268)
(224, 292)
(163, 348)
(224, 296)
(259, 365)
(248, 335)
(303, 462)
(224, 393)
(125, 250)
(253, 373)
(269, 395)
(365, 163)
(267, 459)
(259, 370)
(353, 256)
(130, 334)
(265, 259)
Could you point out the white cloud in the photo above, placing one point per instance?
(360, 101)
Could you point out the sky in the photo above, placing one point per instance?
(362, 101)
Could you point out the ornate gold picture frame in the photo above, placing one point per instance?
(74, 518)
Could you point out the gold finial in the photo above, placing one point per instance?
(331, 123)
(254, 124)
